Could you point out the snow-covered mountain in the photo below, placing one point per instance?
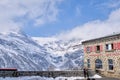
(17, 50)
(64, 54)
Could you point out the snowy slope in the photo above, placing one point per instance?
(17, 50)
(64, 54)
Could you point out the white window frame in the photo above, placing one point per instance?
(109, 46)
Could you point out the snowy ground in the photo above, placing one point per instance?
(45, 78)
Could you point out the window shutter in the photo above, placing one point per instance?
(114, 46)
(91, 49)
(101, 47)
(94, 48)
(85, 49)
(118, 45)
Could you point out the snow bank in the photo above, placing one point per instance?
(41, 78)
(96, 76)
(68, 78)
(46, 78)
(27, 78)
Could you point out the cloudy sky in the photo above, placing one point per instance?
(64, 19)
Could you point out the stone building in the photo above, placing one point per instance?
(103, 55)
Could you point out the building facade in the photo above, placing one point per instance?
(103, 55)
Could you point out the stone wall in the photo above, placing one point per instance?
(104, 56)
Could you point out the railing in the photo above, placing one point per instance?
(43, 73)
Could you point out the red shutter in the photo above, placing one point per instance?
(114, 46)
(118, 45)
(101, 47)
(84, 49)
(94, 48)
(91, 49)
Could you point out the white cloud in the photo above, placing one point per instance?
(105, 6)
(39, 11)
(96, 28)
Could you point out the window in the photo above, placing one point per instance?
(110, 64)
(88, 49)
(98, 48)
(98, 64)
(109, 47)
(88, 63)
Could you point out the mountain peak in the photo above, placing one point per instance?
(13, 33)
